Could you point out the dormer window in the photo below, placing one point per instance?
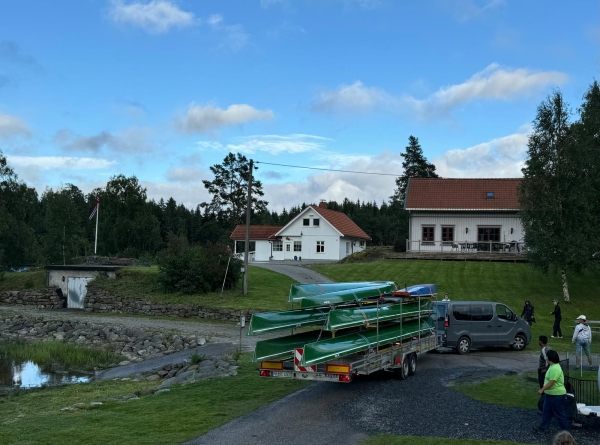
(489, 195)
(306, 222)
(316, 222)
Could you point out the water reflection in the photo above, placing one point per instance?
(29, 375)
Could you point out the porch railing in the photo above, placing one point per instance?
(499, 247)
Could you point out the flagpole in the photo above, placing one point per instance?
(97, 212)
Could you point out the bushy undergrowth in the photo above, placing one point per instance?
(54, 355)
(196, 269)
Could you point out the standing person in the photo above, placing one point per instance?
(557, 318)
(528, 313)
(554, 395)
(543, 362)
(582, 337)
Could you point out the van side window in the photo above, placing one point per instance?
(461, 312)
(440, 310)
(504, 313)
(481, 312)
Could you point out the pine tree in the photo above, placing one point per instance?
(415, 165)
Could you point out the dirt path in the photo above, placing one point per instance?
(299, 273)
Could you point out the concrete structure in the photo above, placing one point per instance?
(464, 215)
(317, 233)
(72, 280)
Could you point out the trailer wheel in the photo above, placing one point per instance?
(412, 364)
(402, 372)
(464, 345)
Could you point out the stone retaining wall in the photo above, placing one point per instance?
(40, 298)
(98, 300)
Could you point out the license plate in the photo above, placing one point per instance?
(282, 374)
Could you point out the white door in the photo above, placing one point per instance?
(347, 248)
(288, 251)
(77, 290)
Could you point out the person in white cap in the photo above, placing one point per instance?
(582, 337)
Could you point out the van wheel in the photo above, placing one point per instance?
(464, 345)
(519, 343)
(412, 364)
(403, 371)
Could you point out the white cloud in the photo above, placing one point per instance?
(59, 162)
(206, 119)
(272, 144)
(499, 158)
(13, 126)
(337, 185)
(466, 10)
(157, 16)
(129, 140)
(492, 83)
(186, 174)
(235, 36)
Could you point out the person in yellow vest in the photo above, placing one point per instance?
(554, 395)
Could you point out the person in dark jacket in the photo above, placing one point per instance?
(528, 314)
(557, 318)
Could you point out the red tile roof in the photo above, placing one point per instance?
(256, 232)
(342, 223)
(462, 194)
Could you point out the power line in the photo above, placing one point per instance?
(329, 169)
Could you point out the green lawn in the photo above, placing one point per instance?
(267, 290)
(518, 390)
(385, 439)
(168, 418)
(23, 280)
(509, 283)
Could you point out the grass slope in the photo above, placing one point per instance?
(509, 283)
(413, 440)
(168, 418)
(267, 290)
(23, 280)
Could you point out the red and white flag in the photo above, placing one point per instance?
(95, 207)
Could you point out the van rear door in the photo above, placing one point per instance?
(440, 309)
(460, 322)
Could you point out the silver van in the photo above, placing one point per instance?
(462, 325)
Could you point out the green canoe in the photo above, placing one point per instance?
(282, 348)
(349, 317)
(277, 321)
(300, 291)
(348, 295)
(323, 351)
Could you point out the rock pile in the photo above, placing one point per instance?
(184, 373)
(134, 344)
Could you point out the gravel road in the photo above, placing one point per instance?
(421, 406)
(293, 270)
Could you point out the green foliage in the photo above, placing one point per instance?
(560, 188)
(196, 358)
(399, 245)
(229, 190)
(174, 417)
(55, 355)
(415, 165)
(237, 354)
(197, 269)
(35, 279)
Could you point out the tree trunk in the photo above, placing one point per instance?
(565, 285)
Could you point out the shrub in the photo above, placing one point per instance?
(399, 245)
(187, 269)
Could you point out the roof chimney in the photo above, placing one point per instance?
(323, 204)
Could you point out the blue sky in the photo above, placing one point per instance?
(164, 89)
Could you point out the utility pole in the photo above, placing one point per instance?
(247, 241)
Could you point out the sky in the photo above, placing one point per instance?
(164, 89)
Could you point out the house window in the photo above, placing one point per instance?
(297, 246)
(428, 234)
(320, 246)
(488, 234)
(306, 222)
(288, 247)
(277, 246)
(447, 234)
(362, 244)
(316, 222)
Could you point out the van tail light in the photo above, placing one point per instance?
(447, 321)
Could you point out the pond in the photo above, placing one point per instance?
(27, 374)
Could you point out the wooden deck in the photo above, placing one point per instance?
(459, 256)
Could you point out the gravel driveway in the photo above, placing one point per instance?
(421, 406)
(293, 270)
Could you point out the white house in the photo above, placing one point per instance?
(317, 233)
(464, 214)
